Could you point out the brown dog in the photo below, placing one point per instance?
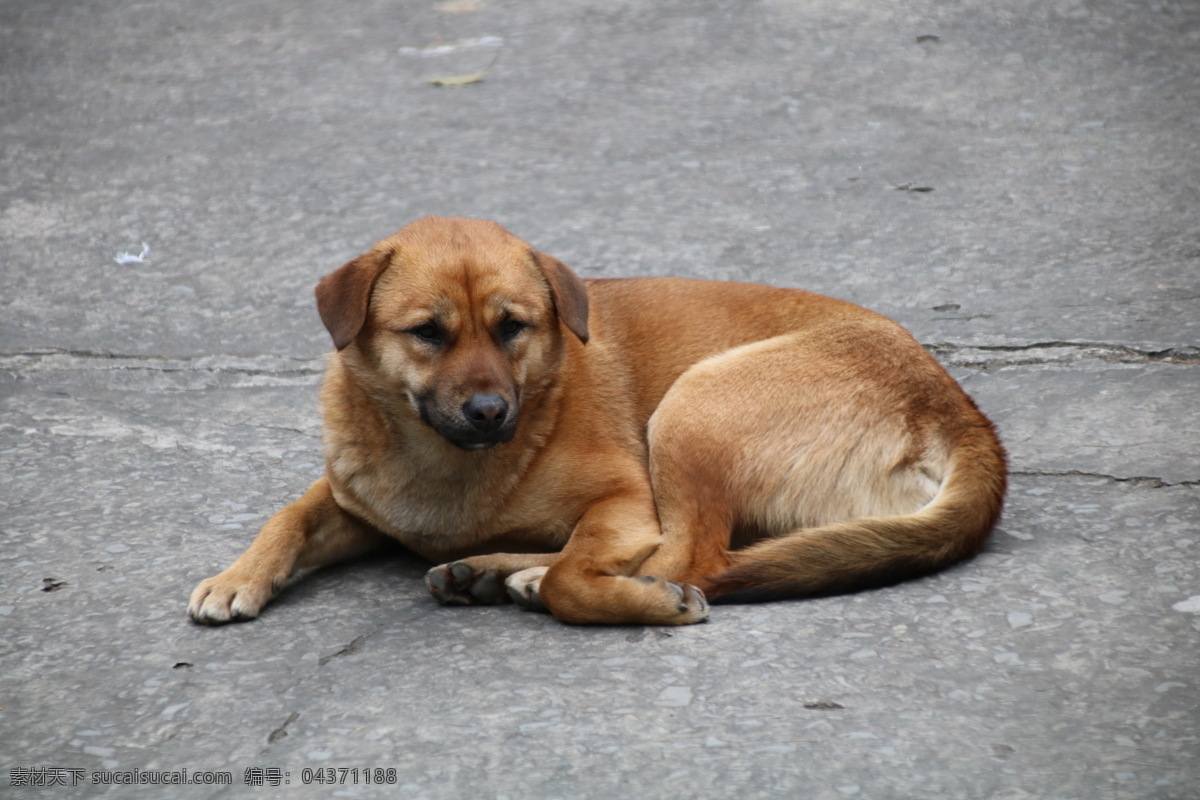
(615, 450)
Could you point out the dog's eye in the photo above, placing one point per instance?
(428, 333)
(510, 328)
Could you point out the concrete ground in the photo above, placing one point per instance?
(1017, 181)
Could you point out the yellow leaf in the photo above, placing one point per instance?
(459, 80)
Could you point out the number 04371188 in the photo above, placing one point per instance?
(353, 775)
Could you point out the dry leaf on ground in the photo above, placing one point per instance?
(458, 80)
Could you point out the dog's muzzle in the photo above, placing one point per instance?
(484, 420)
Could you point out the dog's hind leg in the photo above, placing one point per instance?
(711, 430)
(853, 471)
(595, 578)
(695, 508)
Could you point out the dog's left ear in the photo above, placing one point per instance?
(343, 295)
(570, 294)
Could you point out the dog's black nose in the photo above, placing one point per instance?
(485, 412)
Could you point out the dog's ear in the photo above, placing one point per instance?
(570, 294)
(343, 295)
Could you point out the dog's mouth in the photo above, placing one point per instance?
(472, 446)
(472, 441)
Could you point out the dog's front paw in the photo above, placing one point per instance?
(460, 584)
(524, 588)
(230, 597)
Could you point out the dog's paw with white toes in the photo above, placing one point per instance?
(524, 588)
(230, 598)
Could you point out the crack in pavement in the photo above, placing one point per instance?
(1140, 480)
(992, 357)
(348, 650)
(280, 733)
(54, 359)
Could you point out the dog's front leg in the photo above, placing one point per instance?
(310, 532)
(592, 580)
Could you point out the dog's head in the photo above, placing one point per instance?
(459, 319)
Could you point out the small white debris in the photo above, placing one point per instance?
(1019, 619)
(1189, 606)
(441, 49)
(130, 258)
(170, 711)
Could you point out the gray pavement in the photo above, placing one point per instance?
(155, 413)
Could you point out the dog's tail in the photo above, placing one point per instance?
(876, 551)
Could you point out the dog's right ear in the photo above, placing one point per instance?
(343, 295)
